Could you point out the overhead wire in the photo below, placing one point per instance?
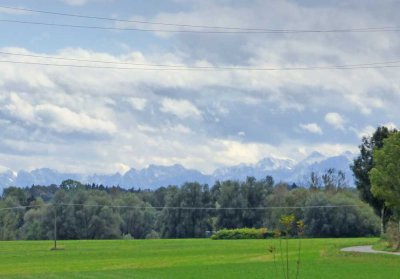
(244, 32)
(244, 29)
(185, 208)
(186, 67)
(199, 69)
(19, 207)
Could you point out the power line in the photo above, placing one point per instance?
(187, 208)
(371, 29)
(243, 32)
(201, 69)
(19, 207)
(97, 61)
(214, 208)
(184, 67)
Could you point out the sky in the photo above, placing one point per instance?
(104, 120)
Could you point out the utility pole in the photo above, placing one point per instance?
(55, 228)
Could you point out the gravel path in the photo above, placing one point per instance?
(367, 249)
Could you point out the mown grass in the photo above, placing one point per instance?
(383, 245)
(188, 258)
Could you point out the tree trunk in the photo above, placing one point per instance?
(398, 238)
(382, 220)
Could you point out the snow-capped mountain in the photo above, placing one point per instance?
(318, 163)
(264, 167)
(281, 169)
(157, 176)
(7, 178)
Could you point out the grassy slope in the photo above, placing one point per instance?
(187, 259)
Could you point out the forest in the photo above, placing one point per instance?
(328, 209)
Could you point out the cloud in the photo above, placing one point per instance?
(369, 130)
(165, 129)
(14, 12)
(52, 117)
(166, 117)
(312, 128)
(66, 121)
(137, 103)
(76, 2)
(180, 108)
(122, 168)
(335, 119)
(134, 115)
(364, 132)
(83, 2)
(390, 125)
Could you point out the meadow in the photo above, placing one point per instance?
(190, 258)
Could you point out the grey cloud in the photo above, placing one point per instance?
(105, 118)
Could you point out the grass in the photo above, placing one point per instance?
(383, 245)
(188, 258)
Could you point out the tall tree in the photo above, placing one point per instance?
(385, 175)
(362, 166)
(230, 197)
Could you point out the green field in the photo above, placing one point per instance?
(188, 258)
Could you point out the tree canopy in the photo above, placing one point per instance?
(385, 175)
(363, 164)
(186, 211)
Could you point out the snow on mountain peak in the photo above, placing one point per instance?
(281, 169)
(274, 163)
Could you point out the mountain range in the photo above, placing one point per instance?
(154, 176)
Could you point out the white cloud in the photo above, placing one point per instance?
(64, 120)
(42, 108)
(365, 132)
(335, 119)
(59, 119)
(229, 152)
(180, 108)
(165, 129)
(76, 2)
(369, 130)
(312, 128)
(121, 168)
(83, 2)
(19, 108)
(14, 12)
(390, 125)
(137, 103)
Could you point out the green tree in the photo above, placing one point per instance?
(32, 228)
(363, 164)
(71, 184)
(139, 218)
(330, 216)
(11, 218)
(230, 197)
(385, 175)
(256, 193)
(193, 220)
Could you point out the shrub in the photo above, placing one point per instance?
(393, 235)
(127, 236)
(153, 235)
(244, 233)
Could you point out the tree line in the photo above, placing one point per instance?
(193, 210)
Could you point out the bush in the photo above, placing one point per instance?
(393, 235)
(153, 235)
(127, 236)
(245, 233)
(340, 220)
